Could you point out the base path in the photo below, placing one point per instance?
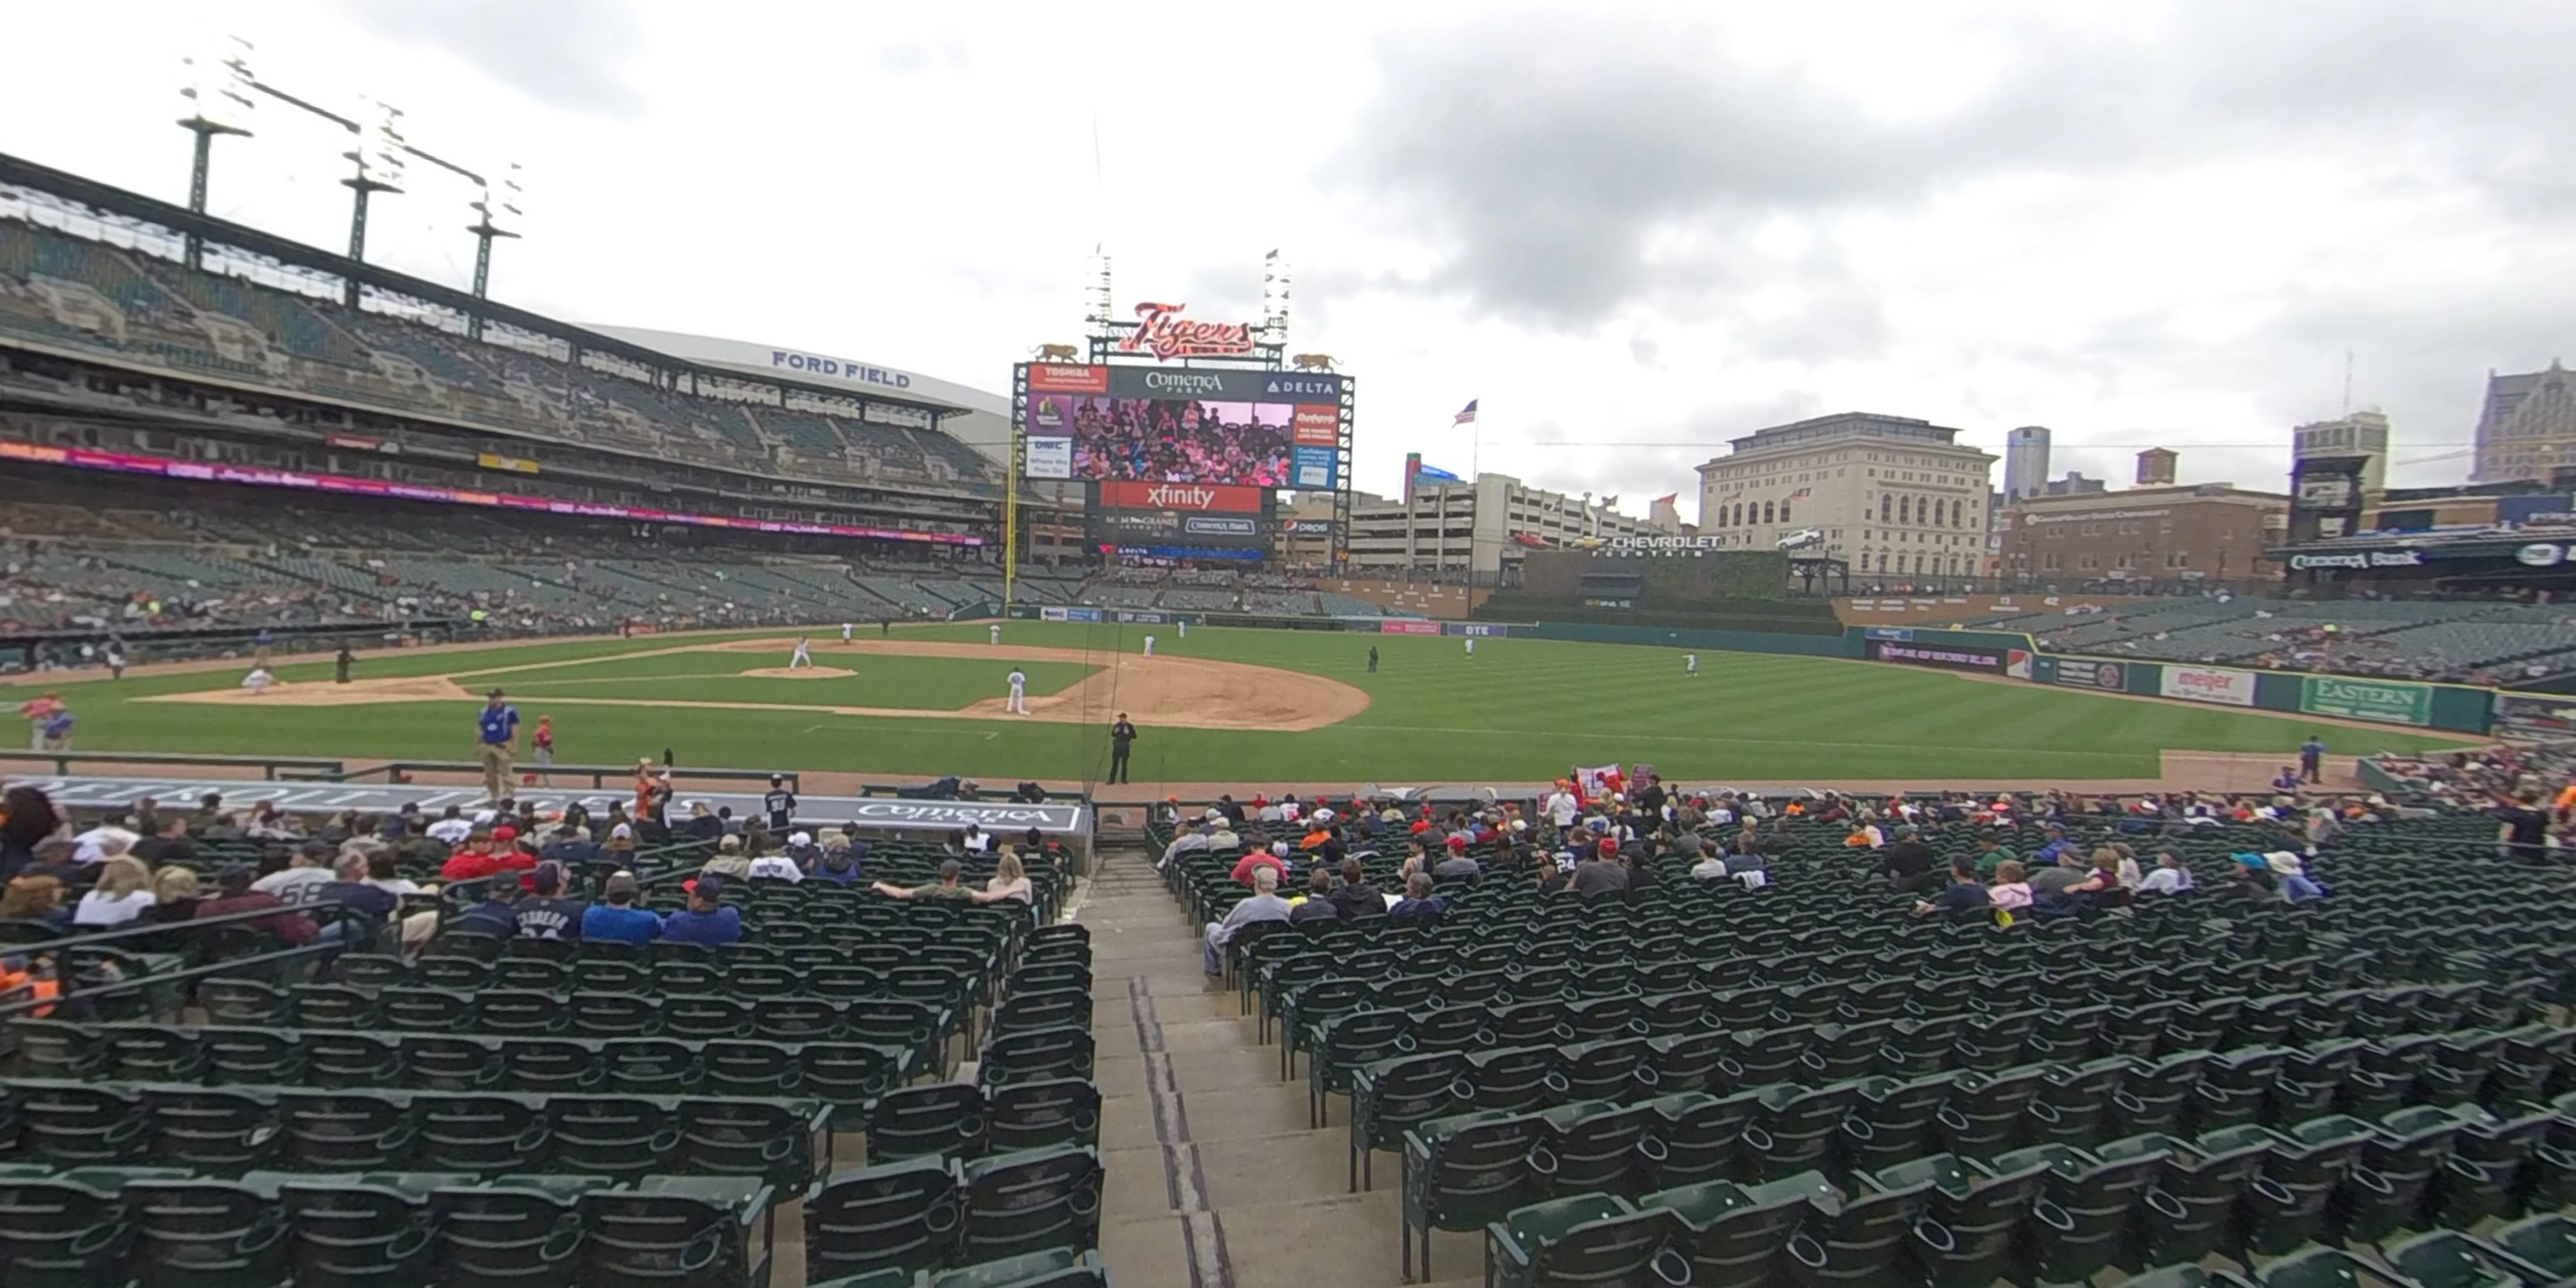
(1168, 692)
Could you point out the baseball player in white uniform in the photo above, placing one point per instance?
(845, 632)
(1185, 630)
(1149, 646)
(1690, 664)
(994, 633)
(258, 680)
(801, 657)
(1019, 703)
(1471, 646)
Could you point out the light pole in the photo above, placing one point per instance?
(220, 89)
(217, 87)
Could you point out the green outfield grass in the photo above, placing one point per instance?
(1519, 710)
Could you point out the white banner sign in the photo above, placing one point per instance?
(2207, 684)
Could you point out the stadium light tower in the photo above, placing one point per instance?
(513, 202)
(216, 85)
(378, 156)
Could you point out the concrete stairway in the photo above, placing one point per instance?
(1214, 1178)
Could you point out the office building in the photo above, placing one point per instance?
(1899, 498)
(2025, 460)
(2527, 427)
(2360, 433)
(2170, 537)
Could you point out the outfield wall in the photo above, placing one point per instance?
(2406, 704)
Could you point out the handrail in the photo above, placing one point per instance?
(397, 770)
(68, 986)
(62, 761)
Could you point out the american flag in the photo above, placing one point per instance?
(1802, 494)
(1466, 413)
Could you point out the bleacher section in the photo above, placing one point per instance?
(60, 289)
(2464, 641)
(1805, 1083)
(548, 1112)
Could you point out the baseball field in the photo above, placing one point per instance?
(1221, 706)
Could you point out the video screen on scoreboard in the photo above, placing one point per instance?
(1129, 425)
(1169, 440)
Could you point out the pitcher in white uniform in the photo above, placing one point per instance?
(1019, 703)
(258, 680)
(801, 657)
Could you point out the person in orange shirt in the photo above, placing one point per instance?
(643, 788)
(2567, 799)
(36, 711)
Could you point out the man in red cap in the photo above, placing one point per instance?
(1457, 864)
(1600, 871)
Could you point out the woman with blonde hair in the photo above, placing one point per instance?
(1010, 881)
(123, 891)
(36, 898)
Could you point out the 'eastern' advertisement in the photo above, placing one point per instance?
(2383, 701)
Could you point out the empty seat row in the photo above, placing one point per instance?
(923, 1214)
(1876, 1120)
(240, 1129)
(2045, 1214)
(166, 1227)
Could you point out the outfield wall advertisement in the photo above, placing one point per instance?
(2382, 701)
(2535, 715)
(1945, 657)
(2086, 673)
(2203, 684)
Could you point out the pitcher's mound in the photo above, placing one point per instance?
(798, 673)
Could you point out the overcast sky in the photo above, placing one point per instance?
(1632, 231)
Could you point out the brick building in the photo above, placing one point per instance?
(2151, 538)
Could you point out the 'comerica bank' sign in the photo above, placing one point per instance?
(811, 365)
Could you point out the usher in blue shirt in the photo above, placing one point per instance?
(500, 724)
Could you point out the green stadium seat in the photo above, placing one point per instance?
(2449, 1259)
(206, 1233)
(1695, 1138)
(1047, 1114)
(1740, 1235)
(902, 1217)
(1587, 1239)
(1393, 1097)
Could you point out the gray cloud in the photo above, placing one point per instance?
(1546, 150)
(569, 54)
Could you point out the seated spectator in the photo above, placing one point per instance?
(1908, 864)
(495, 912)
(2010, 890)
(1010, 881)
(1710, 865)
(1355, 898)
(54, 858)
(708, 919)
(547, 912)
(619, 848)
(123, 891)
(1275, 858)
(616, 919)
(1418, 902)
(175, 896)
(367, 906)
(1600, 872)
(35, 898)
(1963, 897)
(2069, 871)
(382, 874)
(2170, 876)
(169, 842)
(1318, 903)
(569, 846)
(451, 827)
(233, 893)
(1458, 865)
(702, 825)
(840, 862)
(1264, 905)
(729, 860)
(474, 859)
(780, 867)
(945, 887)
